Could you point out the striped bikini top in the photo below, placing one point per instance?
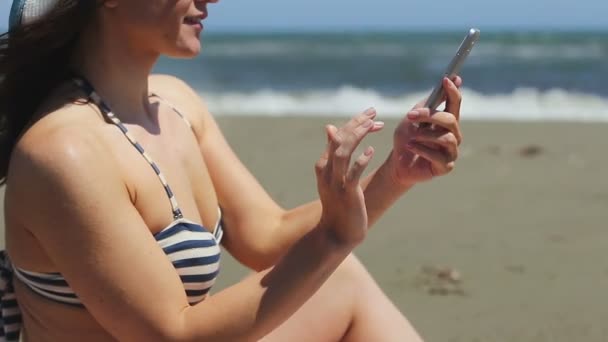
(193, 250)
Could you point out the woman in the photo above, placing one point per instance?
(113, 197)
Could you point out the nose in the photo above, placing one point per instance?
(205, 2)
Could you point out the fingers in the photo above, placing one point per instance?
(457, 81)
(445, 141)
(453, 97)
(378, 125)
(368, 114)
(323, 162)
(441, 163)
(333, 141)
(442, 120)
(333, 165)
(355, 172)
(346, 140)
(437, 141)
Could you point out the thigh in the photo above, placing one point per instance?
(348, 307)
(325, 317)
(375, 317)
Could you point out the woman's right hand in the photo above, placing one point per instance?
(344, 213)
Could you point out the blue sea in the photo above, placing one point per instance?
(508, 76)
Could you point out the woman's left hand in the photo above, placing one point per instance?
(419, 154)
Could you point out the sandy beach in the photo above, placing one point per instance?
(509, 247)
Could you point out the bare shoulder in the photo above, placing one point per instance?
(63, 149)
(183, 97)
(57, 132)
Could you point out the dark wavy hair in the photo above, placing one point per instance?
(34, 59)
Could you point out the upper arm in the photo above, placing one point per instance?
(250, 214)
(70, 197)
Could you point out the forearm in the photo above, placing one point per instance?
(254, 307)
(381, 192)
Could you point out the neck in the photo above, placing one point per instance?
(118, 72)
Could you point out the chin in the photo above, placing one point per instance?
(186, 49)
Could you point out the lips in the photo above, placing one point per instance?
(192, 20)
(195, 19)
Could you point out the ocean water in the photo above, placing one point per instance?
(508, 76)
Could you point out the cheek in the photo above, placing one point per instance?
(160, 27)
(156, 16)
(169, 20)
(181, 6)
(158, 31)
(171, 28)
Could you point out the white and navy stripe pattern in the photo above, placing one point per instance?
(48, 285)
(193, 250)
(10, 315)
(195, 254)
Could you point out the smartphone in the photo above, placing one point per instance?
(453, 68)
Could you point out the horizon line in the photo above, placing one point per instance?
(389, 29)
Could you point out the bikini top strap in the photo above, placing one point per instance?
(177, 111)
(109, 115)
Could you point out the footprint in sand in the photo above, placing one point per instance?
(442, 281)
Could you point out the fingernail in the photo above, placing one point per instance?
(413, 114)
(368, 151)
(370, 111)
(368, 124)
(379, 124)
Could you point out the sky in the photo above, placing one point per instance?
(285, 15)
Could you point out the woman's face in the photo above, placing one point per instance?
(169, 27)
